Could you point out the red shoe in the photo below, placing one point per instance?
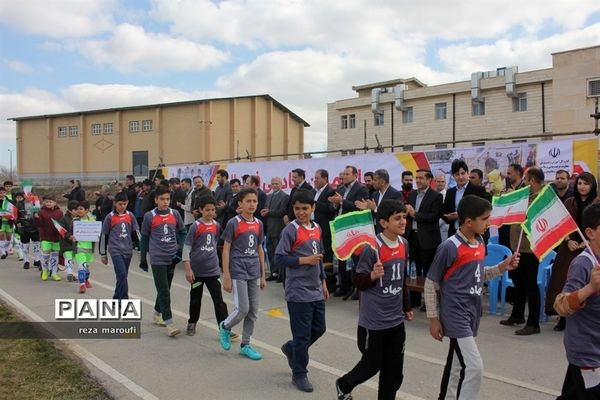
(82, 288)
(88, 284)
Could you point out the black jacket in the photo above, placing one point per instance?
(450, 207)
(428, 219)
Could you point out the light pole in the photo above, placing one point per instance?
(11, 165)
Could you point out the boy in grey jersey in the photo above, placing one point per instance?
(300, 252)
(163, 234)
(118, 230)
(384, 305)
(202, 263)
(579, 302)
(243, 271)
(457, 273)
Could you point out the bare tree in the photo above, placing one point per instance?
(5, 174)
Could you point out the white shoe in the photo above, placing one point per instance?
(172, 330)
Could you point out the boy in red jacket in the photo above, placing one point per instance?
(49, 236)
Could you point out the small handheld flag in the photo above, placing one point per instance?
(8, 210)
(59, 228)
(510, 208)
(548, 222)
(351, 231)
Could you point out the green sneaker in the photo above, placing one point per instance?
(248, 351)
(56, 277)
(224, 337)
(44, 274)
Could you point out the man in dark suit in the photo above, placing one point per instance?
(299, 180)
(275, 209)
(222, 195)
(232, 205)
(324, 213)
(460, 172)
(344, 202)
(383, 191)
(424, 209)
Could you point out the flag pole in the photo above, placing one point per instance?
(520, 239)
(587, 244)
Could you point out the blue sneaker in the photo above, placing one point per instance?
(224, 337)
(249, 352)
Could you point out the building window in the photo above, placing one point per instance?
(594, 88)
(147, 125)
(62, 131)
(478, 108)
(96, 129)
(344, 122)
(352, 121)
(108, 128)
(378, 121)
(440, 110)
(520, 102)
(73, 131)
(140, 163)
(407, 115)
(134, 126)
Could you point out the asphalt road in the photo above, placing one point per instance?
(184, 367)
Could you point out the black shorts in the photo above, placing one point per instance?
(26, 237)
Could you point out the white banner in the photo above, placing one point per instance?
(87, 231)
(550, 155)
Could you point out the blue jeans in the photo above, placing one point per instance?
(121, 265)
(307, 321)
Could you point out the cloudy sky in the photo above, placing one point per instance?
(67, 55)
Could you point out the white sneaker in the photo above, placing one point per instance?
(172, 330)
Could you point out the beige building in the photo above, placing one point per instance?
(108, 144)
(500, 105)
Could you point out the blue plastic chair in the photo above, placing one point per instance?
(495, 254)
(543, 278)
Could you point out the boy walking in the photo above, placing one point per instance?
(162, 235)
(243, 271)
(118, 229)
(457, 274)
(202, 263)
(384, 306)
(84, 250)
(579, 302)
(30, 237)
(49, 236)
(300, 252)
(66, 242)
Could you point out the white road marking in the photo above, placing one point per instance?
(83, 353)
(275, 350)
(417, 356)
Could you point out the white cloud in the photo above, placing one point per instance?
(527, 53)
(131, 49)
(357, 23)
(58, 18)
(87, 96)
(18, 66)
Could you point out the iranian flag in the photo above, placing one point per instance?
(59, 228)
(351, 231)
(510, 208)
(548, 222)
(8, 210)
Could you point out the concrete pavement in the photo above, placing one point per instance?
(157, 366)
